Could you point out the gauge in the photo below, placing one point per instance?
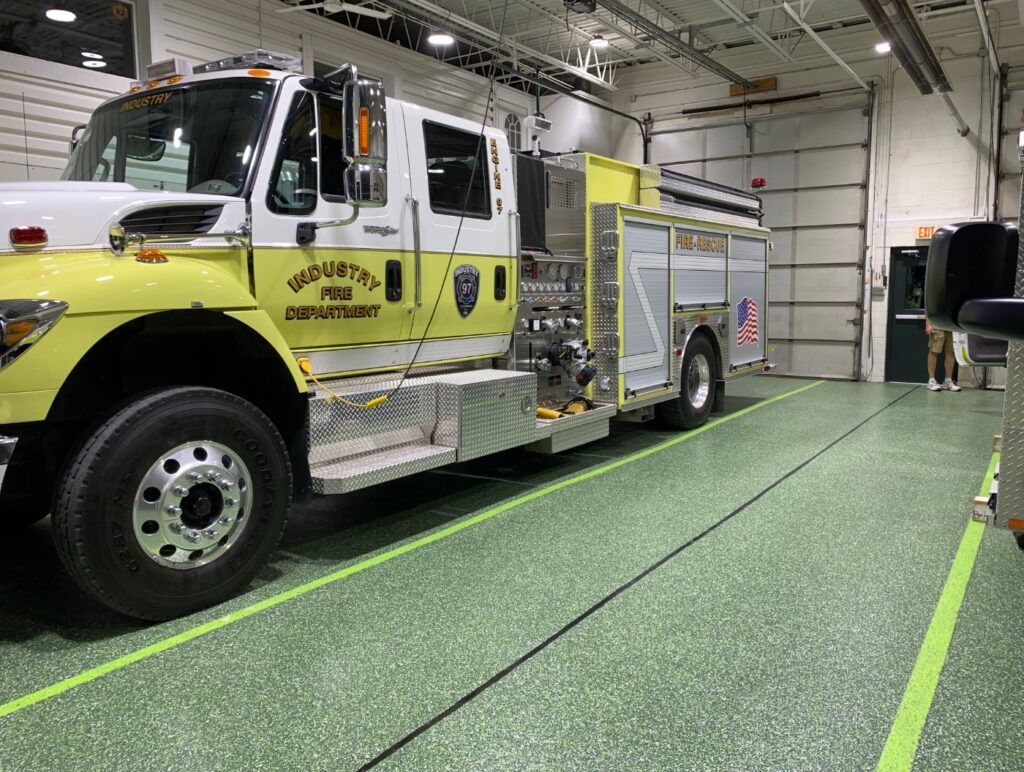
(552, 271)
(563, 271)
(577, 271)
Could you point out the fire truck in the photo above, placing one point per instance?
(252, 287)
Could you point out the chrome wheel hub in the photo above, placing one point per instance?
(191, 505)
(698, 381)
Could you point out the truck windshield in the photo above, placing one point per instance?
(198, 138)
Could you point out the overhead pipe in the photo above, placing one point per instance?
(555, 85)
(675, 44)
(986, 34)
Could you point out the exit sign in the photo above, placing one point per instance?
(925, 231)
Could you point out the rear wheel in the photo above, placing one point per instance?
(174, 503)
(699, 375)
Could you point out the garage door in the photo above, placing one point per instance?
(1009, 184)
(815, 200)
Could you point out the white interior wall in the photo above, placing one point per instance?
(57, 97)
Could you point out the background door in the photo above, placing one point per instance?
(906, 350)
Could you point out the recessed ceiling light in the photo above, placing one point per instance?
(884, 47)
(91, 55)
(57, 14)
(440, 39)
(94, 63)
(598, 42)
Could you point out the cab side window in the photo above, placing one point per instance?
(293, 182)
(457, 171)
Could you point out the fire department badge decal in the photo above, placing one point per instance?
(467, 288)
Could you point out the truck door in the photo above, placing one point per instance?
(346, 299)
(463, 186)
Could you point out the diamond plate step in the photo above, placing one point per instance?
(351, 474)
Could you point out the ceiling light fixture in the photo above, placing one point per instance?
(884, 47)
(57, 14)
(94, 63)
(598, 42)
(440, 39)
(91, 55)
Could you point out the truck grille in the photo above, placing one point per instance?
(166, 220)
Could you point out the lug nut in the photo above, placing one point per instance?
(211, 475)
(170, 509)
(177, 527)
(193, 476)
(178, 490)
(229, 502)
(225, 520)
(209, 533)
(225, 484)
(192, 536)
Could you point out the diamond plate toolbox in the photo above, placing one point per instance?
(485, 411)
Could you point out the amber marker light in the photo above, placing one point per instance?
(259, 73)
(151, 255)
(364, 131)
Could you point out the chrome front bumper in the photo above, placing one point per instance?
(6, 451)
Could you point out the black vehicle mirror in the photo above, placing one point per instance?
(142, 148)
(969, 283)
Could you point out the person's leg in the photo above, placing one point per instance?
(948, 383)
(933, 360)
(935, 344)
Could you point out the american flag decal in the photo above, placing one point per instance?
(746, 322)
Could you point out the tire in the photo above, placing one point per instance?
(1019, 536)
(700, 379)
(174, 503)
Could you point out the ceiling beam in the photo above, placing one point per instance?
(825, 47)
(641, 22)
(635, 39)
(492, 36)
(752, 27)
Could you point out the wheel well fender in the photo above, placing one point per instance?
(195, 347)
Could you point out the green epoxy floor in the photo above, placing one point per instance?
(783, 639)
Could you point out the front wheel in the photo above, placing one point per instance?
(174, 503)
(700, 377)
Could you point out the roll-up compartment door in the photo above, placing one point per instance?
(647, 309)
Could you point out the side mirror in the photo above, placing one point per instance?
(366, 143)
(141, 148)
(971, 277)
(76, 134)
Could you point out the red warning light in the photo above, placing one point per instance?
(758, 182)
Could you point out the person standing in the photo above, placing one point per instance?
(940, 341)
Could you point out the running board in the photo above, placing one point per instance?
(351, 474)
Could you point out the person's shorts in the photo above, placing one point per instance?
(939, 341)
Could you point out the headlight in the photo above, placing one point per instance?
(23, 322)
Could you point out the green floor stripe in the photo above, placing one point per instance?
(276, 600)
(901, 745)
